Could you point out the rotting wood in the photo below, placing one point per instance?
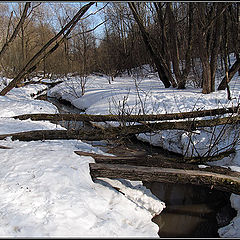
(156, 161)
(127, 118)
(141, 173)
(55, 134)
(95, 155)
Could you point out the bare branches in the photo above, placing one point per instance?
(32, 64)
(211, 22)
(88, 31)
(16, 30)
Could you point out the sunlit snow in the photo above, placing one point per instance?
(46, 189)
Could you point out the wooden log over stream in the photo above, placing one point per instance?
(157, 161)
(167, 175)
(126, 118)
(119, 132)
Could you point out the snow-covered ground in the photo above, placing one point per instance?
(138, 95)
(46, 189)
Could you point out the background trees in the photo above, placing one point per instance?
(171, 37)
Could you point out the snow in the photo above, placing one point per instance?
(146, 94)
(46, 189)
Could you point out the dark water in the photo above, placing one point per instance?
(191, 211)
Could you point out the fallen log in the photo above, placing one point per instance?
(157, 161)
(167, 175)
(119, 132)
(50, 84)
(95, 155)
(56, 134)
(126, 118)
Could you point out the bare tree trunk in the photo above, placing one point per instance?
(163, 71)
(209, 38)
(164, 41)
(206, 75)
(216, 47)
(181, 76)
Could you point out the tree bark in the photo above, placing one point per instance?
(160, 161)
(181, 76)
(167, 175)
(217, 37)
(118, 132)
(209, 38)
(126, 118)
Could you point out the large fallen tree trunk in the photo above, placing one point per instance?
(118, 132)
(157, 161)
(126, 118)
(140, 173)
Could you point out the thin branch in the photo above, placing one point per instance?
(88, 31)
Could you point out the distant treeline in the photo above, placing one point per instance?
(179, 40)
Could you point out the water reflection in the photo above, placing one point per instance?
(190, 210)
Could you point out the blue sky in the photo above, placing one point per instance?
(95, 19)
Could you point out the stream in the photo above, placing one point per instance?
(191, 211)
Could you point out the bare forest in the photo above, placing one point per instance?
(183, 42)
(109, 110)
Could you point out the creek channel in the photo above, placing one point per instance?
(191, 211)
